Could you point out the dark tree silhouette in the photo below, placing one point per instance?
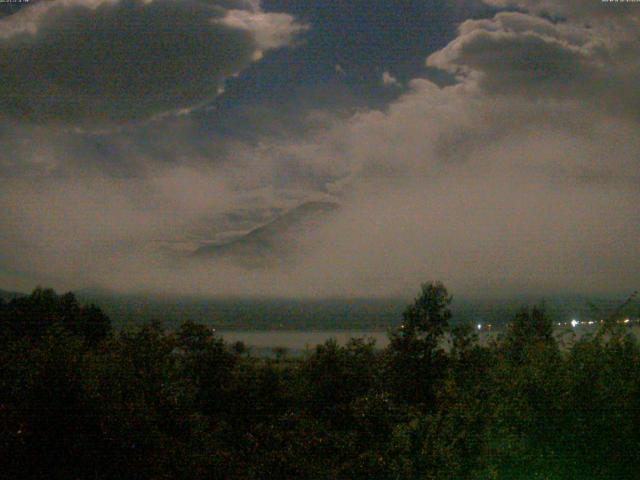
(31, 316)
(146, 402)
(530, 327)
(416, 360)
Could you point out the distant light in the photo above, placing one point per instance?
(591, 322)
(574, 323)
(479, 326)
(626, 320)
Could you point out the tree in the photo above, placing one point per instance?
(208, 364)
(94, 325)
(31, 316)
(530, 327)
(334, 376)
(429, 314)
(240, 348)
(415, 359)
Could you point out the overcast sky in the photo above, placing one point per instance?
(490, 144)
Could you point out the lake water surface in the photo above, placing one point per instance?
(300, 340)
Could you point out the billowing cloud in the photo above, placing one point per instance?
(88, 62)
(389, 80)
(581, 9)
(521, 174)
(527, 56)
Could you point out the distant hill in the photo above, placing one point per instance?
(8, 295)
(329, 314)
(274, 241)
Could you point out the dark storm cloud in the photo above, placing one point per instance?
(95, 62)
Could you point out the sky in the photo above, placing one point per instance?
(489, 144)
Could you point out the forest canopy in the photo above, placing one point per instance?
(79, 399)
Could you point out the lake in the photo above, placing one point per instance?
(301, 340)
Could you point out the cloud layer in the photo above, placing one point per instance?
(528, 56)
(518, 174)
(94, 62)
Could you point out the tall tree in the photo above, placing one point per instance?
(416, 360)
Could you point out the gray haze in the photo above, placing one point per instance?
(511, 165)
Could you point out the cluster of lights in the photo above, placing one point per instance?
(488, 327)
(575, 323)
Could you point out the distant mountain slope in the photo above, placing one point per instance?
(273, 241)
(329, 314)
(7, 295)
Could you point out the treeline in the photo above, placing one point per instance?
(81, 401)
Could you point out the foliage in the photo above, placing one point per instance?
(78, 402)
(33, 315)
(415, 360)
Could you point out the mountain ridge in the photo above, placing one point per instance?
(273, 241)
